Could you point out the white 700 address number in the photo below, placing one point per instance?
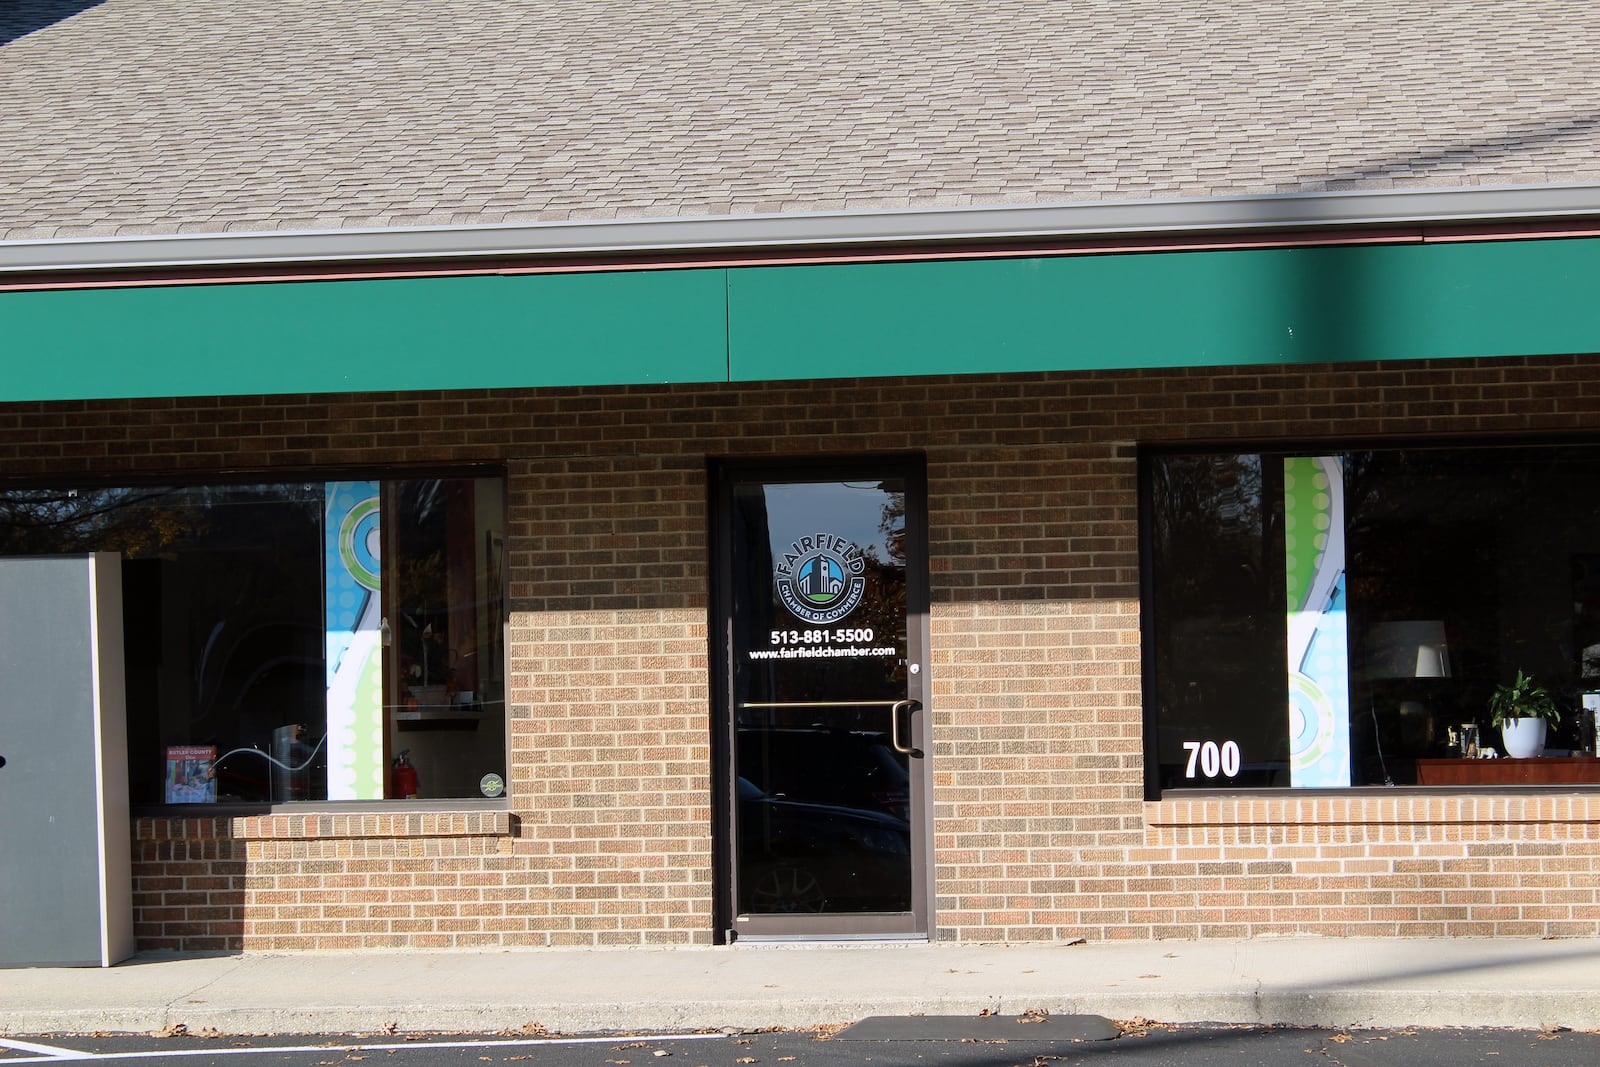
(1212, 759)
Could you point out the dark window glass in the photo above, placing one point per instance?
(222, 602)
(1491, 549)
(241, 602)
(1463, 566)
(1218, 608)
(820, 642)
(447, 709)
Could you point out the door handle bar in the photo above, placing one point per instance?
(895, 708)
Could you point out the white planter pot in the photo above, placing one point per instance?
(1523, 738)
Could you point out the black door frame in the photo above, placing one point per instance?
(917, 923)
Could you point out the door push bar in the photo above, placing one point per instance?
(895, 708)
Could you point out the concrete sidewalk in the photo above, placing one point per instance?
(1321, 982)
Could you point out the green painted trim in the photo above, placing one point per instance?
(344, 336)
(1174, 309)
(1070, 313)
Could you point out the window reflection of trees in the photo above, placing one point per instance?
(134, 522)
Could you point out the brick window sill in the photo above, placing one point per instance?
(329, 826)
(1411, 809)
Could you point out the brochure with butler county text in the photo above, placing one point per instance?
(190, 777)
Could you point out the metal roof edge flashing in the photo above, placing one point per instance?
(1088, 220)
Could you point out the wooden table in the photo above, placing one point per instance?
(1552, 770)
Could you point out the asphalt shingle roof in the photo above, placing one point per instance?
(173, 116)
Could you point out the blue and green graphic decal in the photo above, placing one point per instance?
(1319, 671)
(354, 612)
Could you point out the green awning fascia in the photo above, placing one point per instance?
(1256, 306)
(476, 332)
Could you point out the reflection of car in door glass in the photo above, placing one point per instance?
(802, 857)
(820, 765)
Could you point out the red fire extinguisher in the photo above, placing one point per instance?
(402, 778)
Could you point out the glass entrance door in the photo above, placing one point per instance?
(824, 610)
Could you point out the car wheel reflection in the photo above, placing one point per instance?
(785, 889)
(797, 857)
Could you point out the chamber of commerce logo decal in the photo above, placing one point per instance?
(820, 578)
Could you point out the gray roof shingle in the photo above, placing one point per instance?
(169, 116)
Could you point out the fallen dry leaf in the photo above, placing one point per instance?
(1341, 1038)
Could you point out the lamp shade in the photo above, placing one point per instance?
(1411, 648)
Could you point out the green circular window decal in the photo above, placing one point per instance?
(359, 544)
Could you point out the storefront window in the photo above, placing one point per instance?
(270, 630)
(1341, 619)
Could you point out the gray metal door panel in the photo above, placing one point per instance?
(65, 875)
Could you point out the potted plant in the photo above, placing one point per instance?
(1524, 712)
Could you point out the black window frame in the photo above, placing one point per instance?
(384, 474)
(1148, 453)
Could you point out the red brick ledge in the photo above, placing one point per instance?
(181, 828)
(1413, 809)
(328, 826)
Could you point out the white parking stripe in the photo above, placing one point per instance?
(44, 1052)
(51, 1054)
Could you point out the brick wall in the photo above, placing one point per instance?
(419, 879)
(1041, 830)
(1414, 866)
(189, 879)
